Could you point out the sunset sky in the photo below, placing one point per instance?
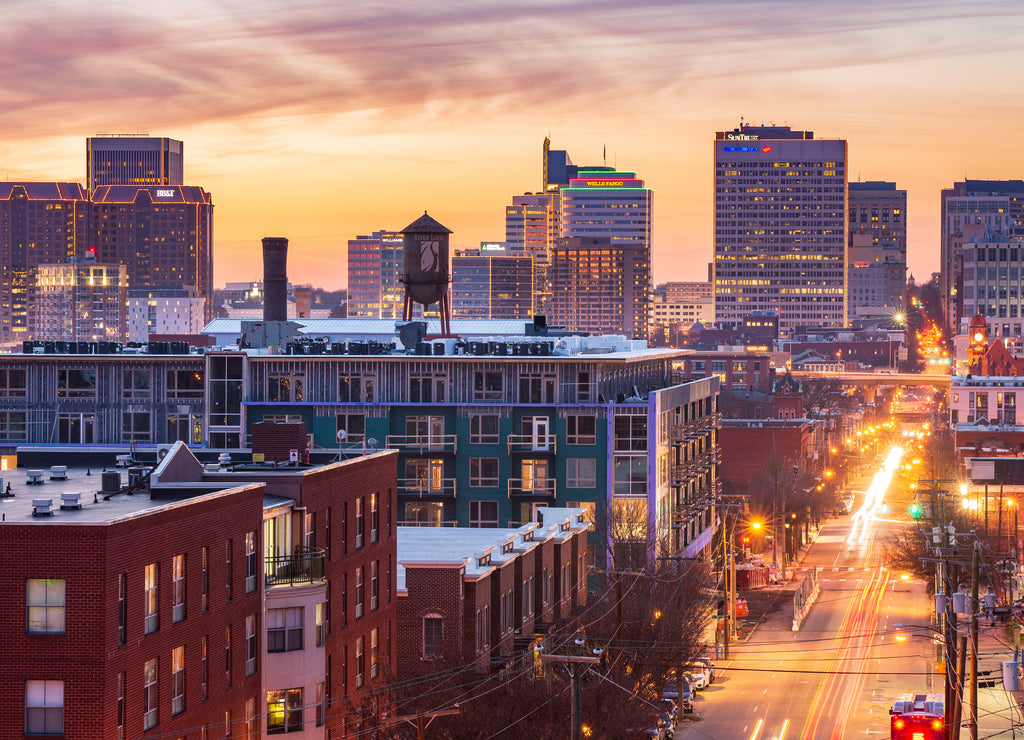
(321, 119)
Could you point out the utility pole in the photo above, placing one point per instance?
(416, 720)
(577, 666)
(974, 642)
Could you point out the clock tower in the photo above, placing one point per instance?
(977, 342)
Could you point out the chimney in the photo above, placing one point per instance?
(275, 278)
(302, 297)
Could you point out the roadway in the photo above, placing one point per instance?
(837, 676)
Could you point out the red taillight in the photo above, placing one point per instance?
(899, 724)
(937, 724)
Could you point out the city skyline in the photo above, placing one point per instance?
(332, 121)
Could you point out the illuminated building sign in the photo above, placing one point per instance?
(492, 247)
(161, 193)
(741, 137)
(609, 183)
(747, 148)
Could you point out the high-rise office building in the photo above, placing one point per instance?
(968, 209)
(40, 223)
(602, 286)
(876, 265)
(374, 270)
(491, 282)
(531, 227)
(133, 160)
(79, 300)
(163, 235)
(780, 226)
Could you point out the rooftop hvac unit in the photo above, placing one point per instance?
(70, 501)
(162, 450)
(42, 507)
(111, 482)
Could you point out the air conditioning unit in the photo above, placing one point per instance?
(162, 451)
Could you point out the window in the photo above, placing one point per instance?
(185, 384)
(204, 668)
(178, 588)
(537, 387)
(250, 644)
(44, 598)
(424, 513)
(581, 430)
(483, 472)
(309, 530)
(122, 608)
(373, 653)
(630, 433)
(205, 579)
(426, 387)
(285, 387)
(76, 382)
(44, 707)
(284, 629)
(433, 636)
(178, 680)
(12, 383)
(374, 516)
(13, 426)
(120, 706)
(227, 562)
(487, 385)
(528, 598)
(321, 703)
(483, 513)
(354, 426)
(356, 388)
(151, 586)
(250, 562)
(583, 393)
(187, 428)
(136, 383)
(135, 426)
(374, 584)
(227, 656)
(580, 472)
(360, 662)
(251, 726)
(149, 695)
(359, 592)
(360, 524)
(483, 429)
(321, 633)
(284, 711)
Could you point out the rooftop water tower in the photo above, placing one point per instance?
(426, 268)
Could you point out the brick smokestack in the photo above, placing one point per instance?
(275, 278)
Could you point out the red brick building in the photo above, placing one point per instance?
(480, 596)
(748, 444)
(206, 602)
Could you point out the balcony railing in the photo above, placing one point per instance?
(426, 487)
(543, 487)
(531, 443)
(294, 570)
(422, 442)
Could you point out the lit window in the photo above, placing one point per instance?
(44, 707)
(45, 600)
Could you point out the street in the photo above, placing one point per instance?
(837, 676)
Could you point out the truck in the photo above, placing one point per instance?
(917, 717)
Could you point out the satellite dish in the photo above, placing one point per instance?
(342, 435)
(371, 443)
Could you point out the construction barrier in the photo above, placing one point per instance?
(804, 598)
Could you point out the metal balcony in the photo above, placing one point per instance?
(525, 443)
(302, 568)
(539, 487)
(426, 487)
(423, 443)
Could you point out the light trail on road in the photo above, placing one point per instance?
(874, 499)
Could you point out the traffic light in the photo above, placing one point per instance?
(915, 510)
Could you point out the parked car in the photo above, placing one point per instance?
(684, 698)
(711, 668)
(700, 674)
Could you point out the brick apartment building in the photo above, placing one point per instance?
(748, 444)
(483, 597)
(203, 602)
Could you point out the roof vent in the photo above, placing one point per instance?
(70, 501)
(42, 507)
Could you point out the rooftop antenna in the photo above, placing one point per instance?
(604, 155)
